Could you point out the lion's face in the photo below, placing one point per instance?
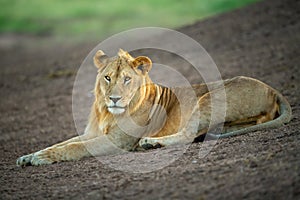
(119, 78)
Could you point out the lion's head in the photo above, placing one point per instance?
(119, 78)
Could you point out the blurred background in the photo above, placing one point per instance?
(97, 19)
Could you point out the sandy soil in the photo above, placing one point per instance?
(261, 41)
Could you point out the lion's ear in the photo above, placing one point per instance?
(143, 63)
(100, 59)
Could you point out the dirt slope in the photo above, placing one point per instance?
(261, 41)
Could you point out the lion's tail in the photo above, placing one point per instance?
(285, 115)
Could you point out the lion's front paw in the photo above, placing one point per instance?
(39, 158)
(149, 143)
(24, 160)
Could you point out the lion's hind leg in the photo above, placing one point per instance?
(251, 121)
(269, 115)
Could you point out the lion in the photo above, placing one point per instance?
(131, 113)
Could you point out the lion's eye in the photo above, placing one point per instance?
(127, 79)
(107, 78)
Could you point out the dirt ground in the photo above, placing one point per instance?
(261, 41)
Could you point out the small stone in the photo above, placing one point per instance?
(252, 164)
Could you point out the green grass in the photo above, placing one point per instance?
(100, 18)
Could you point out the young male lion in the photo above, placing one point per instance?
(131, 112)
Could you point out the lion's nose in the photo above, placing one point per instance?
(115, 99)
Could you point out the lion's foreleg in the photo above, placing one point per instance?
(71, 151)
(59, 148)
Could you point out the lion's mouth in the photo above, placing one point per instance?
(116, 107)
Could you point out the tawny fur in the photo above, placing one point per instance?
(146, 114)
